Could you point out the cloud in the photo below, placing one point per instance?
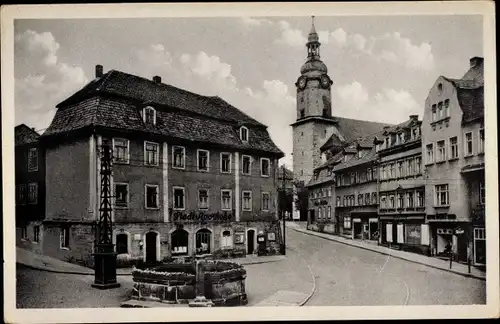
(41, 81)
(290, 36)
(210, 67)
(248, 21)
(396, 49)
(387, 105)
(155, 55)
(339, 36)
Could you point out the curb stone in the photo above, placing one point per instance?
(468, 275)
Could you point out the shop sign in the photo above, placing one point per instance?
(239, 237)
(202, 217)
(271, 236)
(459, 231)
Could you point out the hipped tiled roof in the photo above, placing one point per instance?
(144, 90)
(112, 114)
(179, 114)
(25, 135)
(354, 161)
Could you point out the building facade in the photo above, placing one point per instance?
(30, 187)
(191, 174)
(402, 188)
(317, 134)
(453, 149)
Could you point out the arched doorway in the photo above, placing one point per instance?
(151, 239)
(179, 241)
(250, 241)
(203, 240)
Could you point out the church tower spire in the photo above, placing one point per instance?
(313, 43)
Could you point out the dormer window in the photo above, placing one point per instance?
(360, 154)
(244, 134)
(149, 115)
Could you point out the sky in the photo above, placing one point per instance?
(382, 67)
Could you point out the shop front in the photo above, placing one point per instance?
(364, 226)
(450, 236)
(405, 233)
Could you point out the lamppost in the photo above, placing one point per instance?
(105, 255)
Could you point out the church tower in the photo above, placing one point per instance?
(314, 124)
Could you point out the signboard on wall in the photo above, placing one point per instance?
(413, 234)
(388, 232)
(202, 217)
(424, 234)
(401, 238)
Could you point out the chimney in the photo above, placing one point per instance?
(476, 61)
(415, 117)
(98, 71)
(157, 79)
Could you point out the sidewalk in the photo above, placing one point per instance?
(47, 263)
(457, 268)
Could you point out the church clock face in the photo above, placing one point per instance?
(302, 83)
(325, 81)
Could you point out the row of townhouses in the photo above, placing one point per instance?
(418, 185)
(191, 174)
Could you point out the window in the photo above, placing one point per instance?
(369, 175)
(329, 191)
(302, 113)
(360, 200)
(420, 199)
(264, 167)
(409, 200)
(391, 202)
(266, 197)
(393, 170)
(152, 196)
(480, 148)
(225, 162)
(374, 198)
(434, 116)
(36, 234)
(203, 157)
(24, 233)
(383, 202)
(353, 178)
(149, 115)
(121, 150)
(33, 193)
(360, 154)
(440, 108)
(121, 194)
(179, 198)
(400, 169)
(454, 148)
(344, 201)
(246, 161)
(320, 212)
(227, 240)
(179, 239)
(64, 238)
(442, 195)
(244, 134)
(401, 203)
(338, 201)
(226, 200)
(418, 162)
(482, 193)
(21, 194)
(203, 199)
(468, 144)
(440, 88)
(410, 166)
(347, 221)
(179, 157)
(122, 243)
(247, 200)
(329, 212)
(441, 151)
(33, 159)
(414, 133)
(430, 153)
(367, 199)
(446, 107)
(150, 153)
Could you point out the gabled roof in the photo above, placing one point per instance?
(25, 135)
(140, 89)
(355, 160)
(470, 91)
(352, 129)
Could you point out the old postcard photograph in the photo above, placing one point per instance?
(213, 162)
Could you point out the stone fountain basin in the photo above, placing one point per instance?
(175, 283)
